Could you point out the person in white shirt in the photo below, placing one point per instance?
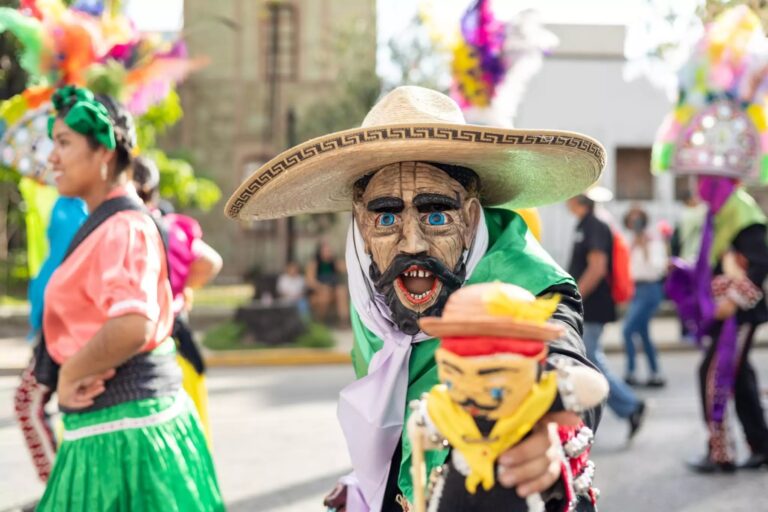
(648, 263)
(292, 288)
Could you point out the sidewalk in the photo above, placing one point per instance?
(15, 351)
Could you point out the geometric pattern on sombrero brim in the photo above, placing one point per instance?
(378, 134)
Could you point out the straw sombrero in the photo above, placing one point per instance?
(495, 309)
(523, 168)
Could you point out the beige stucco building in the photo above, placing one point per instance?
(271, 60)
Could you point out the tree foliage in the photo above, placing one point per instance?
(358, 88)
(13, 78)
(416, 60)
(178, 181)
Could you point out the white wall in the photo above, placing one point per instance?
(587, 94)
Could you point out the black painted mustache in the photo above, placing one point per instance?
(402, 262)
(406, 319)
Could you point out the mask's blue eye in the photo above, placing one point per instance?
(436, 219)
(448, 384)
(497, 393)
(386, 219)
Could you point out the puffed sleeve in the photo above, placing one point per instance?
(184, 234)
(128, 267)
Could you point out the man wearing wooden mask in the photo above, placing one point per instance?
(421, 184)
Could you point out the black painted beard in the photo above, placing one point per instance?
(407, 319)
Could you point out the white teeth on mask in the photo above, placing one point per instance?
(417, 273)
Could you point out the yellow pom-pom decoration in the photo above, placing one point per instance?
(506, 301)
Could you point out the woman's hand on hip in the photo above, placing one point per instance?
(80, 393)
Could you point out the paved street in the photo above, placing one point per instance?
(278, 448)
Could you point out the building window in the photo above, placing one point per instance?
(282, 41)
(633, 174)
(685, 187)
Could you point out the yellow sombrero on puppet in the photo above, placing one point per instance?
(522, 168)
(495, 309)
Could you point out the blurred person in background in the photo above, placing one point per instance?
(648, 263)
(326, 281)
(192, 264)
(720, 297)
(591, 261)
(686, 238)
(292, 288)
(132, 439)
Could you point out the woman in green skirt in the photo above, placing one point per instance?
(132, 440)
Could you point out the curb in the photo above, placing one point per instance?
(318, 357)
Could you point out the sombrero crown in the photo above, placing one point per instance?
(498, 310)
(521, 167)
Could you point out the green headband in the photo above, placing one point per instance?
(86, 115)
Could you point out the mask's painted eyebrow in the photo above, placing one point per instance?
(436, 201)
(386, 204)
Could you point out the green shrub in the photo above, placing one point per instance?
(316, 336)
(226, 336)
(231, 335)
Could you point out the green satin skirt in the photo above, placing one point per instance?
(144, 455)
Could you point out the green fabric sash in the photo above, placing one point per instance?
(739, 212)
(513, 256)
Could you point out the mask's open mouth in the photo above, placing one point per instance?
(417, 284)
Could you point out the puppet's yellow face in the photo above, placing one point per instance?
(487, 386)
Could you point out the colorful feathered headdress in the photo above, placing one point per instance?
(492, 60)
(85, 45)
(718, 126)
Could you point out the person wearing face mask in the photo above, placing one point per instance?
(716, 135)
(648, 263)
(591, 264)
(132, 440)
(720, 298)
(421, 185)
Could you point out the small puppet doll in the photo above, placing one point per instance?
(494, 387)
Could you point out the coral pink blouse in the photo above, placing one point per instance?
(119, 269)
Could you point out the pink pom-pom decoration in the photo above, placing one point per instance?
(665, 229)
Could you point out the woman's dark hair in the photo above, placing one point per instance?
(125, 133)
(146, 178)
